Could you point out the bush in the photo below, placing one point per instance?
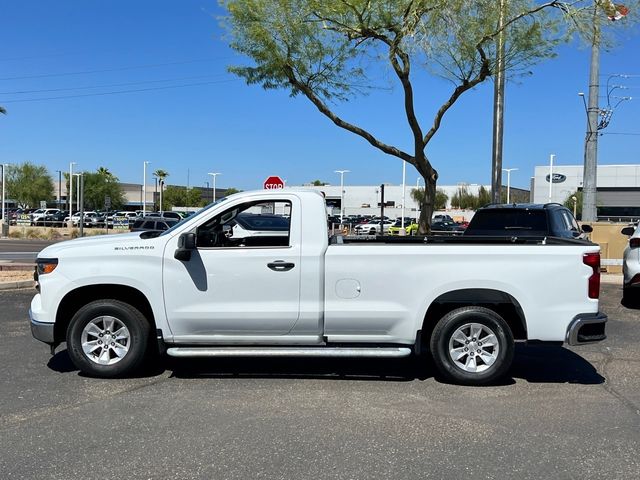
(15, 233)
(33, 233)
(52, 234)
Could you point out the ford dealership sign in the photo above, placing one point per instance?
(557, 178)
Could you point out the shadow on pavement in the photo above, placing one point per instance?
(532, 363)
(553, 364)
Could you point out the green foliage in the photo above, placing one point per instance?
(174, 196)
(318, 183)
(98, 186)
(569, 203)
(230, 191)
(417, 194)
(464, 199)
(29, 184)
(484, 196)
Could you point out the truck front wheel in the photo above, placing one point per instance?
(472, 346)
(107, 338)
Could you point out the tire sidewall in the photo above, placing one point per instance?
(454, 320)
(134, 321)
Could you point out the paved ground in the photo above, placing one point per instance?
(563, 414)
(12, 250)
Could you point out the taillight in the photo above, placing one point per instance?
(593, 261)
(634, 242)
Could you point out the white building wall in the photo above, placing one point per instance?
(621, 176)
(363, 200)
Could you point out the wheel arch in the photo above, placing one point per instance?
(498, 301)
(77, 298)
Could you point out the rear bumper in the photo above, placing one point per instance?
(587, 328)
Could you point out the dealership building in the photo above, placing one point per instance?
(617, 192)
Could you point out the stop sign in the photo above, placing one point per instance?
(273, 183)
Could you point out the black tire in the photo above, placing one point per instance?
(442, 341)
(137, 328)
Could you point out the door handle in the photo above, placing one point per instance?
(281, 266)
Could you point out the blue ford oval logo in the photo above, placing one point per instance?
(557, 178)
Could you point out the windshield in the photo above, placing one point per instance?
(198, 213)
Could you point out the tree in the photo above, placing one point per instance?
(323, 50)
(29, 184)
(484, 197)
(99, 185)
(464, 199)
(230, 191)
(574, 199)
(318, 183)
(182, 197)
(417, 194)
(161, 175)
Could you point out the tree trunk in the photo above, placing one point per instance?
(428, 201)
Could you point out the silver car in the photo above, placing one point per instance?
(631, 265)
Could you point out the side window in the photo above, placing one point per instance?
(252, 224)
(572, 224)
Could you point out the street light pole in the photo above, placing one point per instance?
(509, 170)
(404, 181)
(144, 188)
(4, 219)
(59, 189)
(551, 157)
(213, 176)
(70, 192)
(78, 191)
(341, 172)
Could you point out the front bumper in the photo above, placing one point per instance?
(41, 329)
(587, 328)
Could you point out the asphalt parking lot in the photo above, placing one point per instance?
(563, 413)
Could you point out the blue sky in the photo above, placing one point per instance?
(216, 123)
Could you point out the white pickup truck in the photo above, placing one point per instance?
(197, 291)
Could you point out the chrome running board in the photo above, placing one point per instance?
(383, 352)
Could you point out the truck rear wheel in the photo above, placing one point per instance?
(472, 346)
(107, 338)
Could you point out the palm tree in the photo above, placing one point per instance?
(161, 175)
(104, 171)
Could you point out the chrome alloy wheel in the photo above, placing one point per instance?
(473, 347)
(105, 340)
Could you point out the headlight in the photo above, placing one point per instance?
(46, 265)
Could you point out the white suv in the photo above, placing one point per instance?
(41, 212)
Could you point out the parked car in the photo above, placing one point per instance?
(75, 218)
(526, 220)
(250, 225)
(442, 218)
(410, 227)
(51, 220)
(41, 212)
(448, 228)
(373, 227)
(631, 266)
(145, 224)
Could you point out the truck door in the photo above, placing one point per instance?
(244, 277)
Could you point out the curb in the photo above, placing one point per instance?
(17, 285)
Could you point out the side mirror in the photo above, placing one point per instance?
(628, 231)
(186, 244)
(587, 228)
